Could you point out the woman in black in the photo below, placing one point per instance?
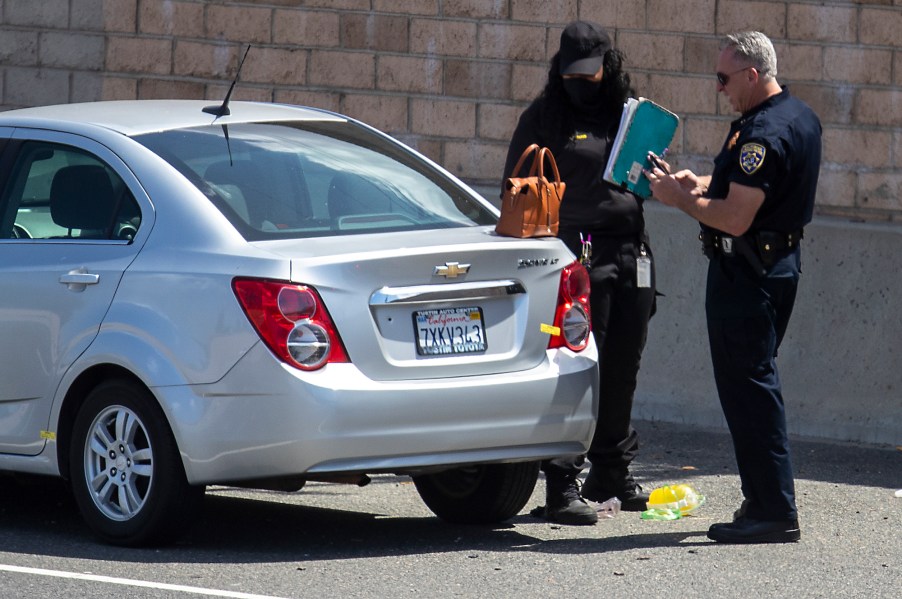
(577, 116)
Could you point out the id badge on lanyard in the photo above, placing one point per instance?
(643, 268)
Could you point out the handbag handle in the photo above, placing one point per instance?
(543, 154)
(556, 184)
(532, 148)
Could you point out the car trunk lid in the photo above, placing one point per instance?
(444, 303)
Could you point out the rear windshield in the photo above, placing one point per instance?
(314, 178)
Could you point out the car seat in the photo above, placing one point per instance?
(82, 198)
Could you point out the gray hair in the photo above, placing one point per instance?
(755, 48)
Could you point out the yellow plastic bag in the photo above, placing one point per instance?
(682, 498)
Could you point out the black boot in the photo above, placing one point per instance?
(563, 503)
(601, 485)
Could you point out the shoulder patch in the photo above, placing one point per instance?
(751, 157)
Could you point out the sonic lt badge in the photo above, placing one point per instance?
(751, 157)
(451, 270)
(530, 262)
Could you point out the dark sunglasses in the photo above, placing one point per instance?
(724, 78)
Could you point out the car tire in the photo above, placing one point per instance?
(479, 494)
(125, 469)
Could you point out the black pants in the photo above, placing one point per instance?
(747, 319)
(620, 314)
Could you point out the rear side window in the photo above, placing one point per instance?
(61, 192)
(313, 178)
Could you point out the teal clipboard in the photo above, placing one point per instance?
(644, 127)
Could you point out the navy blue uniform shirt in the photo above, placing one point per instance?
(775, 147)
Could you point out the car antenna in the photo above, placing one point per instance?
(223, 109)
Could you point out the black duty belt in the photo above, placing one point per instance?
(761, 248)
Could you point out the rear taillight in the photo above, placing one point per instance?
(293, 322)
(571, 317)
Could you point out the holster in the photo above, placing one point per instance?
(771, 244)
(745, 249)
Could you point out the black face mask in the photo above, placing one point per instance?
(585, 95)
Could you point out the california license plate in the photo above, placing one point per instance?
(448, 331)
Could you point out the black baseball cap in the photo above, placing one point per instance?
(583, 46)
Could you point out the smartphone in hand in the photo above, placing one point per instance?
(656, 162)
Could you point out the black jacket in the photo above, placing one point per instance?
(590, 204)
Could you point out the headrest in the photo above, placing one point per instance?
(81, 197)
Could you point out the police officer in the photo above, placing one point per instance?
(752, 209)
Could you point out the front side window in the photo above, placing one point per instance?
(314, 178)
(56, 191)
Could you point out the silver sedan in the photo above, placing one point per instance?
(267, 295)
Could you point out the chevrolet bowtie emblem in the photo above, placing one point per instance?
(451, 270)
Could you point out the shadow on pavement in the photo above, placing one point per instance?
(39, 516)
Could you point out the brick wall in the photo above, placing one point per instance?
(450, 77)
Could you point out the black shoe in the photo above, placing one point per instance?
(563, 504)
(630, 494)
(750, 530)
(743, 508)
(739, 514)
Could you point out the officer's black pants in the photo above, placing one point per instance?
(620, 314)
(747, 318)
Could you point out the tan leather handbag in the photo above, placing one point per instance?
(530, 205)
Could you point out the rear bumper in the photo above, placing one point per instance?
(265, 420)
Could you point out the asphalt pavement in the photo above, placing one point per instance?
(850, 518)
(381, 541)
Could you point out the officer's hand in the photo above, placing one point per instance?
(665, 188)
(659, 163)
(676, 190)
(690, 182)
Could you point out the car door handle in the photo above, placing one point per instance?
(80, 278)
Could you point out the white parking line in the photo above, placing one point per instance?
(135, 583)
